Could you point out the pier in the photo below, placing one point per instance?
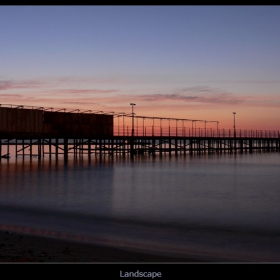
(39, 132)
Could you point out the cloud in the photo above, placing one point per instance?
(261, 82)
(53, 87)
(82, 103)
(199, 94)
(7, 95)
(26, 84)
(83, 91)
(87, 93)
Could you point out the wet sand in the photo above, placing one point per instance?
(16, 247)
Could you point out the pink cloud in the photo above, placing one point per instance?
(82, 91)
(47, 92)
(200, 94)
(7, 85)
(6, 95)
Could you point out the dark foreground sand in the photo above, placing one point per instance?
(16, 247)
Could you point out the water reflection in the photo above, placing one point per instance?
(76, 185)
(228, 190)
(221, 190)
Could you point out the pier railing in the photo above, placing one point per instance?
(161, 126)
(197, 132)
(175, 127)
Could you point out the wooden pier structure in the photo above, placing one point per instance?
(39, 132)
(151, 145)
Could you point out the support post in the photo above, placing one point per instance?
(29, 146)
(65, 149)
(39, 148)
(250, 146)
(56, 148)
(89, 148)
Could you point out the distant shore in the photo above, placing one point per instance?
(16, 247)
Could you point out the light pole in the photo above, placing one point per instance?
(132, 131)
(234, 131)
(192, 127)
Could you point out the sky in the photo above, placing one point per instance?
(193, 62)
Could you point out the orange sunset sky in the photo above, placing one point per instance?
(193, 62)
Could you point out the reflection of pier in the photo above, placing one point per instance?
(38, 132)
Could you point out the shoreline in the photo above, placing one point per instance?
(16, 247)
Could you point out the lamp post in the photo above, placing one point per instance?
(234, 131)
(132, 131)
(192, 127)
(143, 127)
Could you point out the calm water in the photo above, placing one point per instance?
(223, 207)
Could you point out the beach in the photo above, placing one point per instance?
(17, 248)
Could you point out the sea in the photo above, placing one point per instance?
(209, 207)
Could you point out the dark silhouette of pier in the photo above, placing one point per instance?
(38, 132)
